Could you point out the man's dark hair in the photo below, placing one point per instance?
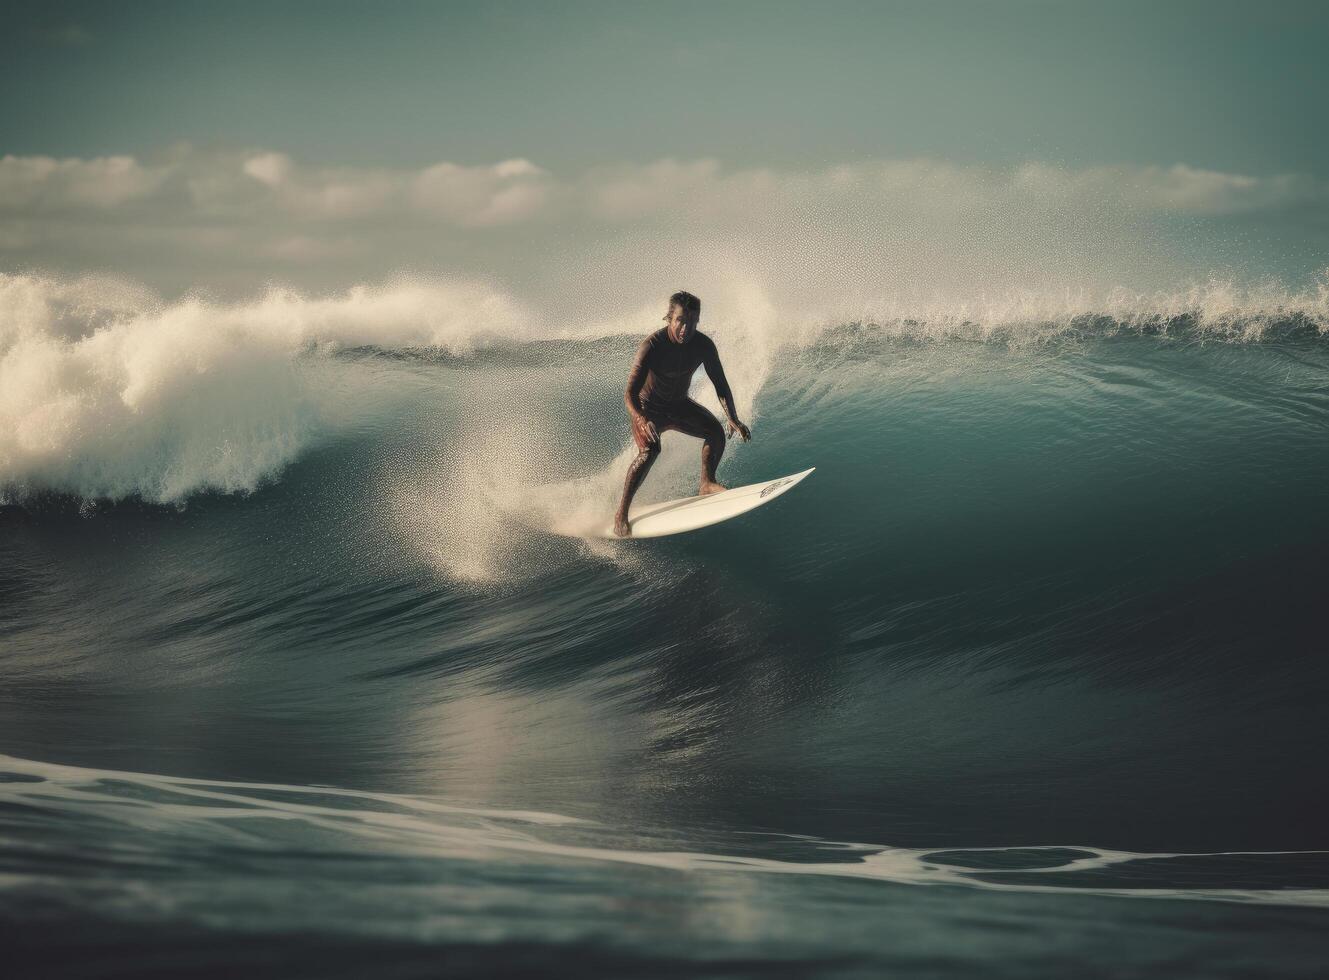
(686, 302)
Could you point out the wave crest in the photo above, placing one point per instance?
(106, 391)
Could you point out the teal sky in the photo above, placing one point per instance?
(1237, 87)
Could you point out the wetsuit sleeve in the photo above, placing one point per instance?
(711, 361)
(637, 375)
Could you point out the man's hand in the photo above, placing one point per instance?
(738, 427)
(647, 434)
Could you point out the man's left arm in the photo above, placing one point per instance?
(715, 371)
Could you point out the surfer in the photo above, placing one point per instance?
(657, 400)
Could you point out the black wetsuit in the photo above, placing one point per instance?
(662, 374)
(658, 392)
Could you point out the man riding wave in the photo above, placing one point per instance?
(657, 400)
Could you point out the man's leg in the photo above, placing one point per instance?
(695, 420)
(637, 471)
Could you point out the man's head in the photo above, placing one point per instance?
(682, 316)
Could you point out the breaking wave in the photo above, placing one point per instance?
(108, 391)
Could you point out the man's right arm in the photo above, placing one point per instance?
(637, 378)
(631, 394)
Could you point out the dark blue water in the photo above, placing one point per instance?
(1027, 679)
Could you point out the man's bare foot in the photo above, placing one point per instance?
(709, 487)
(621, 526)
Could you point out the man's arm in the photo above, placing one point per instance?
(715, 371)
(636, 378)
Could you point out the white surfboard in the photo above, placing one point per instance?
(691, 513)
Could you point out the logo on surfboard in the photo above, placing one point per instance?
(774, 486)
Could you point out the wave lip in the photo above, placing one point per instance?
(1217, 310)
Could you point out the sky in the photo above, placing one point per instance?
(223, 145)
(1218, 85)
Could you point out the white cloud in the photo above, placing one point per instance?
(506, 193)
(100, 183)
(230, 218)
(626, 193)
(517, 168)
(517, 190)
(1177, 189)
(268, 168)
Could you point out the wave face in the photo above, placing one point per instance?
(1042, 635)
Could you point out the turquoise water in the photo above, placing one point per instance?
(1028, 678)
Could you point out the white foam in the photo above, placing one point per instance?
(213, 811)
(1217, 309)
(106, 391)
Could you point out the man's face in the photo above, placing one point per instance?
(681, 325)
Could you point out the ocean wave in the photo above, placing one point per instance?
(205, 824)
(107, 391)
(1217, 310)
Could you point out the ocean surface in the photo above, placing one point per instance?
(305, 670)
